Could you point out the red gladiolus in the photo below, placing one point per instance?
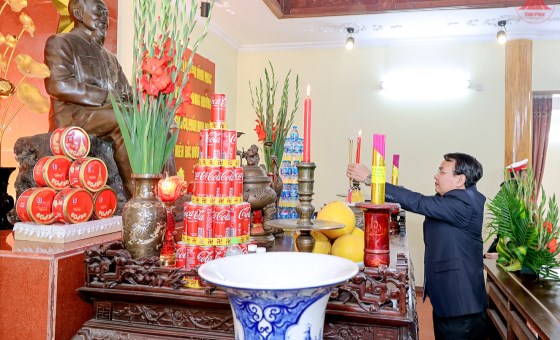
(552, 245)
(259, 129)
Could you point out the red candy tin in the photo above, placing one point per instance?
(104, 203)
(88, 173)
(70, 141)
(73, 205)
(52, 171)
(36, 205)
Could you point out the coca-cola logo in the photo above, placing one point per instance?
(231, 138)
(245, 213)
(226, 176)
(214, 137)
(199, 174)
(197, 215)
(205, 256)
(238, 176)
(221, 215)
(219, 102)
(214, 175)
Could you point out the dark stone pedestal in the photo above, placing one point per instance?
(28, 150)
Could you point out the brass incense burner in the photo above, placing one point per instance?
(257, 191)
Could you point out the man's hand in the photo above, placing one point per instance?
(357, 172)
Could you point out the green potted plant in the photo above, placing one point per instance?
(526, 226)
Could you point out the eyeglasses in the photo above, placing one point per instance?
(441, 171)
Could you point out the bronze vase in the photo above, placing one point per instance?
(144, 218)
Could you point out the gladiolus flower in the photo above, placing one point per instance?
(30, 96)
(552, 245)
(259, 129)
(17, 5)
(27, 23)
(30, 68)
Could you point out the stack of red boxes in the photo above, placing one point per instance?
(70, 186)
(216, 212)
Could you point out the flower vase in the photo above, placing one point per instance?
(6, 201)
(144, 218)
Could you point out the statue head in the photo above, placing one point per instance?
(91, 16)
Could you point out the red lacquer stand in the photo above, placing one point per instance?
(376, 229)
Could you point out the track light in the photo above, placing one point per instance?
(501, 36)
(204, 9)
(349, 38)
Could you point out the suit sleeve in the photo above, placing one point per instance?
(62, 83)
(454, 207)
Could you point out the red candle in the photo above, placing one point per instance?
(307, 126)
(358, 147)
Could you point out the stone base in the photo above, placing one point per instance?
(62, 233)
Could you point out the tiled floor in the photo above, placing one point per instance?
(425, 326)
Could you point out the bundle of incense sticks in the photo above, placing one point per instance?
(378, 170)
(354, 193)
(395, 170)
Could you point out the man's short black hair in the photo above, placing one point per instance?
(466, 165)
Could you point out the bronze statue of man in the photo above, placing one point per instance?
(83, 74)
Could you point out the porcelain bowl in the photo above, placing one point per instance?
(278, 295)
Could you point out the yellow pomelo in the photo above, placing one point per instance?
(338, 212)
(358, 232)
(350, 247)
(322, 243)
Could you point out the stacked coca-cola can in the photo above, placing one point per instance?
(216, 212)
(71, 187)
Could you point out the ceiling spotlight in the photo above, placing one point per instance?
(501, 36)
(204, 9)
(349, 38)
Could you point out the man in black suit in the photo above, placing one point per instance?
(453, 262)
(83, 74)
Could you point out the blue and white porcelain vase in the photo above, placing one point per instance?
(278, 295)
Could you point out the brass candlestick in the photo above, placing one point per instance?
(305, 242)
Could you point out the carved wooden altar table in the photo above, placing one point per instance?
(138, 299)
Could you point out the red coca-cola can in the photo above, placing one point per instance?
(36, 205)
(229, 144)
(73, 205)
(205, 221)
(214, 146)
(236, 221)
(192, 256)
(245, 218)
(205, 254)
(190, 219)
(71, 141)
(221, 221)
(212, 182)
(200, 178)
(203, 144)
(237, 181)
(244, 247)
(88, 173)
(180, 254)
(218, 107)
(52, 171)
(220, 251)
(226, 181)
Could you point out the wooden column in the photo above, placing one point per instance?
(519, 100)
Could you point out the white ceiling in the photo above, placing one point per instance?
(250, 24)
